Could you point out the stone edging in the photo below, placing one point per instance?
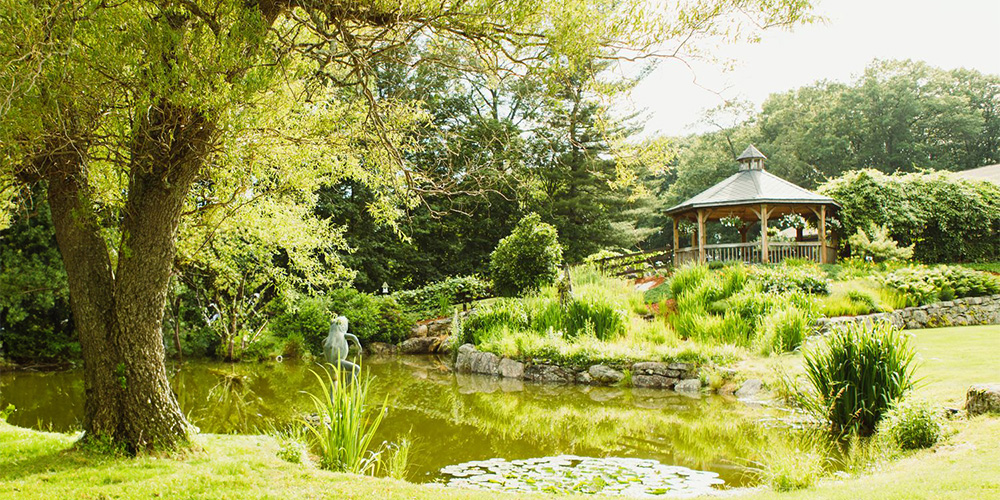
(958, 312)
(681, 377)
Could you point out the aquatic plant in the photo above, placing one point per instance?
(861, 372)
(573, 474)
(346, 424)
(398, 458)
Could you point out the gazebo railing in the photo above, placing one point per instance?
(808, 250)
(751, 252)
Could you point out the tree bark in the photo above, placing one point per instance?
(119, 313)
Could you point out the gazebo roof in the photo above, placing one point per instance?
(751, 152)
(751, 187)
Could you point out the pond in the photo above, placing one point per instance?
(467, 428)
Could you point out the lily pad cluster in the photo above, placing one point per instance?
(631, 477)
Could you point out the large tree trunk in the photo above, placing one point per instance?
(119, 314)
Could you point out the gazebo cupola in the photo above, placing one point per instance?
(753, 195)
(751, 159)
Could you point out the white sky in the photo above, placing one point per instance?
(946, 34)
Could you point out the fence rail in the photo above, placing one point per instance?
(635, 264)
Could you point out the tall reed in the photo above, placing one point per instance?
(858, 375)
(347, 424)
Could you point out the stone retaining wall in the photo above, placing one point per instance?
(958, 312)
(682, 377)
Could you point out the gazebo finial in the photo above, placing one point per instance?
(751, 159)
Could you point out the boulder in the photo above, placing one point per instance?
(551, 374)
(381, 349)
(655, 368)
(983, 398)
(584, 378)
(749, 389)
(486, 363)
(653, 381)
(511, 369)
(419, 345)
(602, 374)
(418, 331)
(691, 385)
(463, 362)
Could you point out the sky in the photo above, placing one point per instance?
(946, 34)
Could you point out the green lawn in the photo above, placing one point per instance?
(967, 465)
(952, 359)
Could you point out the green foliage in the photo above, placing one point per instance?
(593, 317)
(306, 323)
(347, 423)
(36, 325)
(924, 285)
(943, 218)
(686, 277)
(912, 425)
(527, 259)
(6, 412)
(760, 305)
(879, 247)
(792, 465)
(862, 370)
(784, 330)
(372, 318)
(784, 278)
(504, 313)
(438, 297)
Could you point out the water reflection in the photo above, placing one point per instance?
(450, 418)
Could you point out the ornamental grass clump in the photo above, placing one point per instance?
(861, 372)
(347, 423)
(911, 425)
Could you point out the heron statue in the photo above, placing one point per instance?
(335, 347)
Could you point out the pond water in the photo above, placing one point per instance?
(462, 426)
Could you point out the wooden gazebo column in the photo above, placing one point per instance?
(702, 215)
(821, 227)
(822, 234)
(677, 239)
(764, 257)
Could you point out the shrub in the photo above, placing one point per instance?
(781, 279)
(911, 425)
(308, 322)
(488, 319)
(784, 330)
(601, 318)
(687, 277)
(438, 297)
(944, 218)
(371, 318)
(923, 285)
(879, 247)
(861, 372)
(527, 259)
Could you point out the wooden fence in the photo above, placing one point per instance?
(636, 264)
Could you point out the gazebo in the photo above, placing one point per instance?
(751, 195)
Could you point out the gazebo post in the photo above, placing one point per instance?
(764, 257)
(701, 236)
(822, 234)
(677, 240)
